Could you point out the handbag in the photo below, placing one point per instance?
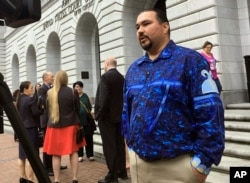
(90, 119)
(79, 135)
(91, 122)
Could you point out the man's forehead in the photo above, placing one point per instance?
(147, 15)
(50, 75)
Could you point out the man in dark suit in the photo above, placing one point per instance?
(108, 109)
(48, 79)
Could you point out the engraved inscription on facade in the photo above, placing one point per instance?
(69, 7)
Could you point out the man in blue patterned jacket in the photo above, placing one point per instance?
(173, 117)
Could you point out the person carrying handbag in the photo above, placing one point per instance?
(89, 128)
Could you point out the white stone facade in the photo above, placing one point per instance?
(77, 35)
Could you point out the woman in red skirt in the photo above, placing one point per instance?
(60, 139)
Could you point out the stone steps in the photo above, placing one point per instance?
(237, 149)
(237, 115)
(215, 176)
(237, 126)
(237, 146)
(238, 137)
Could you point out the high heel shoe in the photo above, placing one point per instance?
(75, 181)
(23, 180)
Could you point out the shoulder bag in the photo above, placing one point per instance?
(90, 119)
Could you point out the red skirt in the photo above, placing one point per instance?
(61, 141)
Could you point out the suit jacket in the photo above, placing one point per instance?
(69, 108)
(109, 97)
(42, 92)
(29, 111)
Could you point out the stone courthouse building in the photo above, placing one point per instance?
(77, 36)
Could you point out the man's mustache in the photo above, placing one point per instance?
(142, 36)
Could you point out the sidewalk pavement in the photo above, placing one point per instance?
(89, 171)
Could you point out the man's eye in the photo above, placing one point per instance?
(146, 23)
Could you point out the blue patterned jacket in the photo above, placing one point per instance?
(172, 107)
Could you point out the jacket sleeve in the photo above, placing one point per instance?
(208, 113)
(209, 146)
(35, 108)
(42, 94)
(103, 97)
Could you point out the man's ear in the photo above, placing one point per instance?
(165, 27)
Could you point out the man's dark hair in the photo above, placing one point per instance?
(160, 14)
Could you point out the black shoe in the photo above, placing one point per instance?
(123, 175)
(75, 181)
(23, 180)
(63, 167)
(50, 173)
(107, 181)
